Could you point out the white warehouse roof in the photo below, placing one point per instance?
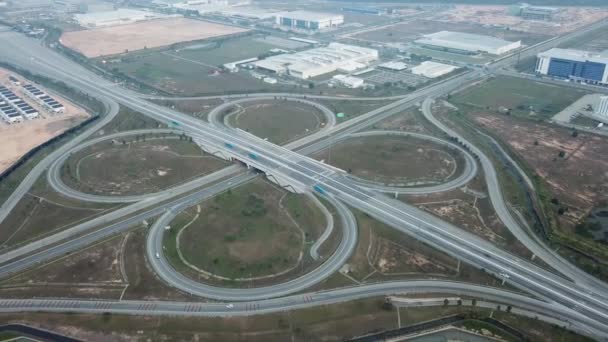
(309, 16)
(468, 42)
(575, 55)
(433, 69)
(318, 61)
(120, 16)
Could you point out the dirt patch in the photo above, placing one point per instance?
(393, 258)
(150, 34)
(96, 264)
(566, 20)
(18, 139)
(578, 179)
(411, 30)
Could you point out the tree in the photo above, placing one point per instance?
(574, 134)
(311, 85)
(474, 302)
(459, 302)
(498, 307)
(509, 308)
(561, 154)
(446, 302)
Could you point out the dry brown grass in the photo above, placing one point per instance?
(149, 34)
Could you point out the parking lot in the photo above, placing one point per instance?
(382, 77)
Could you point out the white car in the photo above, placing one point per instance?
(229, 306)
(157, 255)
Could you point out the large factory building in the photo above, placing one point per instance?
(319, 61)
(467, 43)
(574, 64)
(305, 20)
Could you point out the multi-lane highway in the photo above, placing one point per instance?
(307, 173)
(579, 302)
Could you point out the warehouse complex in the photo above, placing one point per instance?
(433, 69)
(319, 61)
(305, 20)
(113, 18)
(467, 43)
(530, 12)
(574, 64)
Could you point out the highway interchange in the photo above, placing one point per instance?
(580, 300)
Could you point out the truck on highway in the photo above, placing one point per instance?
(318, 188)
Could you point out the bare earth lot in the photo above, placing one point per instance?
(18, 139)
(566, 20)
(579, 180)
(155, 33)
(412, 30)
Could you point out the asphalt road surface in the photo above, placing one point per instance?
(571, 299)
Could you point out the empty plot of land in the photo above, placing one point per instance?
(149, 34)
(594, 41)
(252, 231)
(133, 167)
(279, 121)
(577, 178)
(409, 31)
(565, 20)
(394, 159)
(521, 97)
(18, 139)
(186, 75)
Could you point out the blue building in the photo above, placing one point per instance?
(574, 64)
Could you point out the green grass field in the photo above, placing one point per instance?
(195, 69)
(251, 231)
(278, 121)
(394, 159)
(137, 165)
(524, 98)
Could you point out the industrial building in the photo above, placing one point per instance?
(602, 108)
(112, 18)
(433, 69)
(47, 102)
(467, 43)
(349, 81)
(582, 66)
(394, 66)
(319, 61)
(13, 109)
(529, 12)
(305, 20)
